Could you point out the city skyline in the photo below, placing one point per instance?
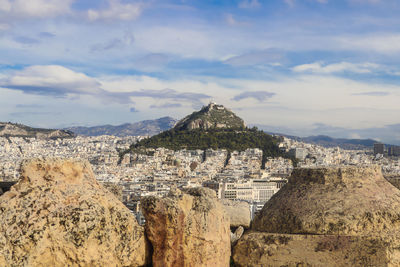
(296, 67)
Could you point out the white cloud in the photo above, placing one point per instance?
(318, 67)
(51, 80)
(378, 42)
(35, 8)
(116, 10)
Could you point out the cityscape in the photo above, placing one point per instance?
(199, 133)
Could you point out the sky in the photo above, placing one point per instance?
(300, 67)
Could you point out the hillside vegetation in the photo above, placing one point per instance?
(216, 127)
(229, 139)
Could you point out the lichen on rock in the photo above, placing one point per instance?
(187, 228)
(59, 215)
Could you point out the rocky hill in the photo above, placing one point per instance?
(209, 117)
(147, 127)
(8, 129)
(216, 127)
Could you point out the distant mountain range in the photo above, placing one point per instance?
(147, 127)
(327, 141)
(208, 118)
(8, 129)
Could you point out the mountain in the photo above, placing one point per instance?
(147, 127)
(216, 127)
(212, 116)
(344, 143)
(8, 129)
(327, 141)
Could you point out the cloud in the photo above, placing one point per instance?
(35, 8)
(151, 62)
(377, 93)
(317, 67)
(29, 106)
(256, 58)
(116, 11)
(249, 4)
(166, 106)
(194, 98)
(386, 43)
(230, 20)
(26, 40)
(30, 113)
(51, 80)
(133, 110)
(261, 96)
(114, 43)
(46, 35)
(290, 3)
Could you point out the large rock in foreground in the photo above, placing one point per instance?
(59, 215)
(188, 229)
(345, 201)
(345, 216)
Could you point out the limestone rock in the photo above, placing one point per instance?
(265, 249)
(187, 228)
(344, 216)
(59, 215)
(238, 211)
(345, 201)
(237, 235)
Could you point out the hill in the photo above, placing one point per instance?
(212, 116)
(147, 127)
(211, 134)
(8, 129)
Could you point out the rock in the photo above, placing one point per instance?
(187, 228)
(114, 188)
(59, 215)
(345, 201)
(238, 211)
(237, 235)
(265, 249)
(343, 216)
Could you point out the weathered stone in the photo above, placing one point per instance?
(187, 228)
(345, 201)
(345, 216)
(115, 189)
(237, 235)
(59, 215)
(238, 211)
(264, 249)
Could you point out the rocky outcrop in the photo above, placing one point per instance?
(187, 228)
(238, 212)
(345, 216)
(212, 116)
(346, 201)
(59, 215)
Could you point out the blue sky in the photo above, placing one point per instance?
(301, 67)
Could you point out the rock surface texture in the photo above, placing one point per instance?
(238, 212)
(188, 228)
(299, 224)
(59, 215)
